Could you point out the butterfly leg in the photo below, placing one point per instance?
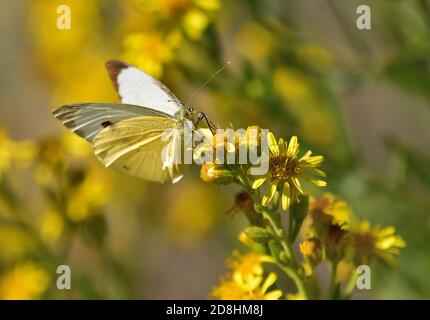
(209, 123)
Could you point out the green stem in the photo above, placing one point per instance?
(333, 282)
(351, 285)
(291, 268)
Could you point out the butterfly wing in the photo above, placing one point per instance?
(138, 88)
(135, 146)
(88, 119)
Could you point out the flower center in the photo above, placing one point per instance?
(283, 167)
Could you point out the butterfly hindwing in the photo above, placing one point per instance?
(138, 88)
(134, 146)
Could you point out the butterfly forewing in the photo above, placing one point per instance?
(138, 88)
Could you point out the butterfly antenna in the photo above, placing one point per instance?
(207, 81)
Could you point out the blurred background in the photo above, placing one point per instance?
(361, 98)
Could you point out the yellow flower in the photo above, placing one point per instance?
(228, 289)
(311, 249)
(246, 280)
(376, 242)
(286, 170)
(261, 292)
(11, 151)
(195, 22)
(329, 210)
(247, 265)
(315, 56)
(88, 197)
(54, 153)
(221, 151)
(211, 172)
(53, 150)
(166, 8)
(16, 243)
(254, 43)
(256, 288)
(345, 269)
(52, 227)
(194, 15)
(329, 220)
(150, 51)
(23, 282)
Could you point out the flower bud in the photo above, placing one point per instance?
(211, 172)
(258, 234)
(311, 249)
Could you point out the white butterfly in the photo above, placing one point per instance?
(128, 137)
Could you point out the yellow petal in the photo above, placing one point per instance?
(273, 146)
(296, 183)
(286, 196)
(318, 182)
(271, 279)
(311, 170)
(257, 183)
(293, 147)
(273, 295)
(387, 231)
(270, 193)
(314, 161)
(306, 155)
(400, 243)
(282, 145)
(386, 243)
(313, 180)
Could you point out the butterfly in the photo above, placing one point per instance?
(138, 137)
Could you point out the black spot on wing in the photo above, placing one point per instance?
(106, 124)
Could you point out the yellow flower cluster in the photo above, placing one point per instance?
(194, 15)
(23, 282)
(331, 221)
(219, 170)
(149, 48)
(246, 280)
(20, 153)
(326, 223)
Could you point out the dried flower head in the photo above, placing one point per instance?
(375, 242)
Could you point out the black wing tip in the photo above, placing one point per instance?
(113, 68)
(115, 65)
